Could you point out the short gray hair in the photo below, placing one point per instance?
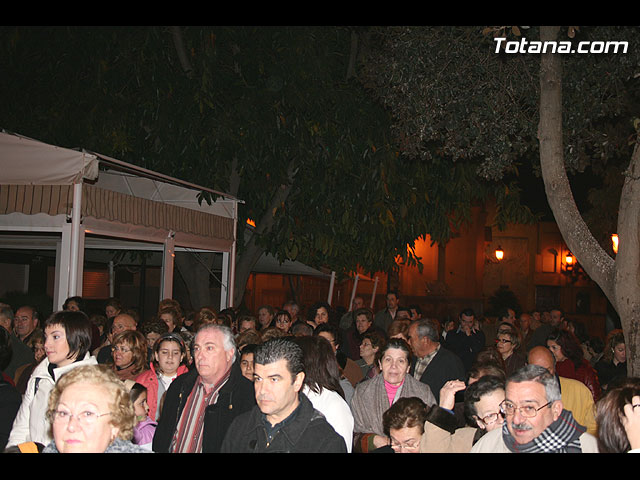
(536, 373)
(228, 341)
(426, 327)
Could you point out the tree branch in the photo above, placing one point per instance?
(181, 50)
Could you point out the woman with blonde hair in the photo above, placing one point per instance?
(91, 412)
(129, 354)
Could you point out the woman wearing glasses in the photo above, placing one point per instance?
(507, 345)
(482, 410)
(67, 343)
(91, 412)
(129, 353)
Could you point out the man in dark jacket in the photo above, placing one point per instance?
(284, 419)
(200, 405)
(432, 363)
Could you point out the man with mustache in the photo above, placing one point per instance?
(535, 419)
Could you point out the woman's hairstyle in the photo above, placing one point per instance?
(615, 337)
(311, 313)
(170, 337)
(77, 329)
(113, 302)
(513, 336)
(320, 364)
(154, 326)
(612, 437)
(569, 344)
(138, 344)
(205, 316)
(399, 327)
(407, 412)
(77, 300)
(474, 392)
(121, 407)
(398, 343)
(250, 336)
(135, 391)
(175, 314)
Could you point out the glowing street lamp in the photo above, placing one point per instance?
(614, 242)
(499, 253)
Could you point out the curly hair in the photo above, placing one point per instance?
(122, 415)
(569, 344)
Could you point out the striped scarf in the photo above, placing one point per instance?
(188, 435)
(562, 436)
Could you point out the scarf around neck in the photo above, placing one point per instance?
(562, 436)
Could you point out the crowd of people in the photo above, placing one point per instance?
(316, 380)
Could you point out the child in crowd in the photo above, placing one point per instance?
(169, 353)
(145, 427)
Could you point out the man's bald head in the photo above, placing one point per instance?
(542, 357)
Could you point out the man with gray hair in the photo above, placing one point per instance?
(284, 419)
(200, 405)
(535, 419)
(432, 363)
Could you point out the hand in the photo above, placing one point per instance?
(631, 422)
(381, 441)
(448, 393)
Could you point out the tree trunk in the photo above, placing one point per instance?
(619, 279)
(251, 252)
(627, 263)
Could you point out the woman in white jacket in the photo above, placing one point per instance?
(322, 385)
(67, 344)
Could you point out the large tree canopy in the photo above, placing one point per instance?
(275, 116)
(452, 91)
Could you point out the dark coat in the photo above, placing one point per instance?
(465, 346)
(306, 432)
(445, 366)
(235, 397)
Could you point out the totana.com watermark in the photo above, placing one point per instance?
(524, 46)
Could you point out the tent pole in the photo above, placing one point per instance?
(331, 284)
(75, 265)
(353, 291)
(373, 294)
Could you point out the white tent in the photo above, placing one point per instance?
(78, 198)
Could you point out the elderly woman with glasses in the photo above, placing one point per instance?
(482, 410)
(90, 412)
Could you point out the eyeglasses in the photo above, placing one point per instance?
(85, 418)
(491, 418)
(120, 349)
(283, 320)
(406, 446)
(527, 411)
(503, 340)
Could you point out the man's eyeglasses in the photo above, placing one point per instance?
(527, 411)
